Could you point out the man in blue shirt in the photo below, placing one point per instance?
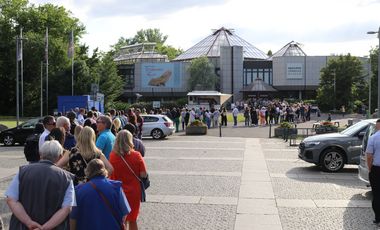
(105, 139)
(373, 163)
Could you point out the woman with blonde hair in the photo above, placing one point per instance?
(128, 164)
(116, 125)
(79, 156)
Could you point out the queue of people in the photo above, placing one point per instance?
(85, 176)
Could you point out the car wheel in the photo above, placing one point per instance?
(157, 134)
(8, 140)
(332, 160)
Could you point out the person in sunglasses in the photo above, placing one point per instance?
(49, 124)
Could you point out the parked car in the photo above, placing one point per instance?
(157, 126)
(19, 133)
(363, 168)
(333, 150)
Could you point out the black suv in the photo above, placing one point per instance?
(333, 150)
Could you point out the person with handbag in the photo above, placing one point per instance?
(129, 167)
(101, 203)
(79, 156)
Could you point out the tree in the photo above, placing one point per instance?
(269, 53)
(110, 83)
(202, 74)
(374, 55)
(344, 73)
(18, 14)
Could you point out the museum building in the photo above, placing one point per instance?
(242, 69)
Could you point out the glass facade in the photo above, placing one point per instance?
(128, 73)
(249, 75)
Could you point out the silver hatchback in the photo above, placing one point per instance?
(363, 168)
(157, 126)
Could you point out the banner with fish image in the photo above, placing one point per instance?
(161, 75)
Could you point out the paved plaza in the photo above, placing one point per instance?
(208, 182)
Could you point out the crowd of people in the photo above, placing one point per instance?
(85, 174)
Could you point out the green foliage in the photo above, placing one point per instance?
(119, 105)
(347, 71)
(285, 125)
(202, 74)
(110, 83)
(197, 123)
(34, 20)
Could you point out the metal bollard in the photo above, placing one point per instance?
(220, 129)
(270, 130)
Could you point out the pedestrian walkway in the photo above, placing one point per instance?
(207, 182)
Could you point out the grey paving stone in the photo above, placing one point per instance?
(194, 185)
(327, 218)
(171, 153)
(322, 189)
(195, 165)
(160, 216)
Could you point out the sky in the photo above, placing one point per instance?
(322, 27)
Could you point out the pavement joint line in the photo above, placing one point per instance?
(312, 176)
(287, 160)
(196, 148)
(198, 173)
(214, 200)
(195, 158)
(211, 141)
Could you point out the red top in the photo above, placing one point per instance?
(130, 184)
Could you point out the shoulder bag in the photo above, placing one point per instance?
(144, 182)
(108, 205)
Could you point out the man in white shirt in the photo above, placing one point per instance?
(49, 124)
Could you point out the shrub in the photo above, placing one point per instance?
(285, 125)
(197, 123)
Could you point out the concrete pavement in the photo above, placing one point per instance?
(207, 182)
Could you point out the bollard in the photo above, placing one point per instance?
(220, 129)
(270, 130)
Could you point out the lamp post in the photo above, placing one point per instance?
(378, 72)
(334, 73)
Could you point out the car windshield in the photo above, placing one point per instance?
(355, 128)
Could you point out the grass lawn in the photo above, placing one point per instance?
(10, 122)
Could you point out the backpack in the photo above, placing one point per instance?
(31, 150)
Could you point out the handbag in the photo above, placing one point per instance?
(144, 182)
(109, 206)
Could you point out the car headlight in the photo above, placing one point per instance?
(311, 143)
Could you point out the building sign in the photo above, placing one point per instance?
(156, 104)
(161, 75)
(294, 71)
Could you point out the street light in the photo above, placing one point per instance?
(378, 72)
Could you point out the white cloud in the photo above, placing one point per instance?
(323, 26)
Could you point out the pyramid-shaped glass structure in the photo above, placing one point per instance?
(210, 46)
(291, 49)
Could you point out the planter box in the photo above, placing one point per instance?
(196, 130)
(326, 129)
(279, 132)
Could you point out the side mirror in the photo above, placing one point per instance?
(361, 135)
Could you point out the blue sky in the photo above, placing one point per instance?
(323, 27)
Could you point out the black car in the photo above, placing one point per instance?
(19, 133)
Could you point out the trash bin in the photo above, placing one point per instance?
(350, 122)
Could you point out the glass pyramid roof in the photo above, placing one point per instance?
(210, 46)
(291, 49)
